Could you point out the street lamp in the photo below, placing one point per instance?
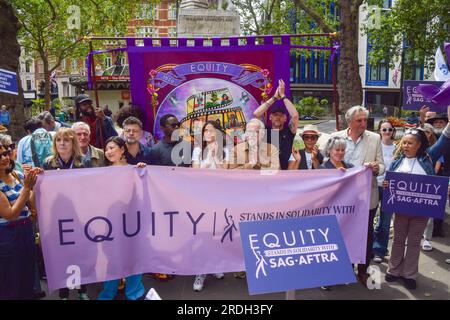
(402, 75)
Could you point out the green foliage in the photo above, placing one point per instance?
(37, 106)
(310, 106)
(424, 24)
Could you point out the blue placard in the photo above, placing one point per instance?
(415, 194)
(8, 82)
(289, 254)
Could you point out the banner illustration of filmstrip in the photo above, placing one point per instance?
(198, 84)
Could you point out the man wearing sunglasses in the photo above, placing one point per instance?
(171, 151)
(283, 133)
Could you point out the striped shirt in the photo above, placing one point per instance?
(12, 192)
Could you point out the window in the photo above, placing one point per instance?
(27, 66)
(147, 11)
(387, 4)
(63, 65)
(172, 32)
(108, 62)
(147, 32)
(122, 61)
(28, 85)
(172, 13)
(74, 65)
(376, 75)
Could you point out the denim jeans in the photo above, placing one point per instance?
(381, 232)
(17, 261)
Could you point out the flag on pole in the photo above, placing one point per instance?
(441, 72)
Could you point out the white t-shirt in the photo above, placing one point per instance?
(410, 165)
(388, 153)
(208, 162)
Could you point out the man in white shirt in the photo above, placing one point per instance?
(363, 148)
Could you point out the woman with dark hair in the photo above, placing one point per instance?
(17, 250)
(381, 230)
(418, 158)
(115, 149)
(147, 138)
(213, 154)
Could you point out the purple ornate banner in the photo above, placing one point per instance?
(109, 223)
(413, 99)
(201, 83)
(415, 194)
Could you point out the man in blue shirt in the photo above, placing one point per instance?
(137, 152)
(4, 116)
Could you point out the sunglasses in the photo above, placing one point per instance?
(173, 125)
(12, 146)
(6, 153)
(415, 132)
(305, 137)
(387, 129)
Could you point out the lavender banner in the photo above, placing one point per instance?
(415, 194)
(109, 223)
(413, 99)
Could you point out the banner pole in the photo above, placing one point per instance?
(290, 295)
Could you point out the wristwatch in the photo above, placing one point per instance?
(283, 97)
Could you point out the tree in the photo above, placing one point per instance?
(9, 60)
(54, 30)
(419, 25)
(313, 17)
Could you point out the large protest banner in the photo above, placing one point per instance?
(109, 223)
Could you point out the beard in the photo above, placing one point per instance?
(438, 131)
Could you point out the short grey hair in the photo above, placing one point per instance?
(355, 109)
(334, 142)
(81, 124)
(5, 139)
(46, 117)
(258, 122)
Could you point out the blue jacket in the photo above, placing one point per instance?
(4, 118)
(433, 154)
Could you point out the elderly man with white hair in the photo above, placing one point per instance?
(91, 156)
(363, 148)
(254, 152)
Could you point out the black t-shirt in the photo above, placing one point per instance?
(285, 144)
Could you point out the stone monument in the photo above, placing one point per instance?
(196, 19)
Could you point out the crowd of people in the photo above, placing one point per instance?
(93, 141)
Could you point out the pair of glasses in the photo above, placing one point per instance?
(413, 132)
(387, 129)
(6, 153)
(173, 125)
(309, 137)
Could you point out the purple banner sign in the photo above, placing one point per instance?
(413, 99)
(113, 222)
(415, 194)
